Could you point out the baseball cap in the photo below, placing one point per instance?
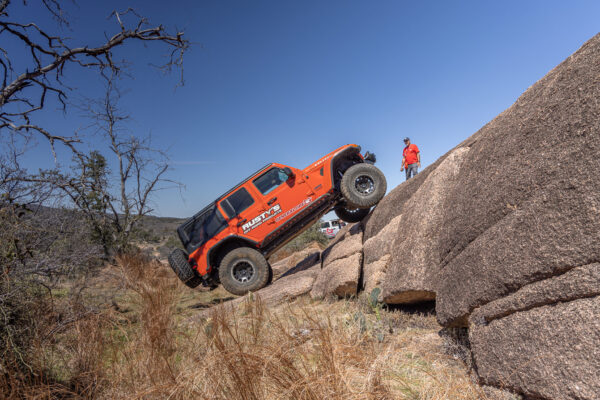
(406, 138)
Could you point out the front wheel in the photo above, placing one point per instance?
(363, 186)
(351, 214)
(243, 270)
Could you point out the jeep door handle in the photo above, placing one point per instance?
(273, 200)
(241, 222)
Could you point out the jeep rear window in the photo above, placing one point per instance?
(201, 227)
(237, 202)
(270, 180)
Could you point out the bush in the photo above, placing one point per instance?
(172, 242)
(39, 248)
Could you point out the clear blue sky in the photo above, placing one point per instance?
(289, 81)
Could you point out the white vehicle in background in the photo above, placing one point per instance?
(331, 228)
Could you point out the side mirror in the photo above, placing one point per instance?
(288, 172)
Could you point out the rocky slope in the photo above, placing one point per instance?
(503, 232)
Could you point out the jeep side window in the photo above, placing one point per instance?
(202, 227)
(237, 202)
(270, 180)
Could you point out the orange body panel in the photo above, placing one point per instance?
(272, 210)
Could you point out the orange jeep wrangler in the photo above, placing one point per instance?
(230, 240)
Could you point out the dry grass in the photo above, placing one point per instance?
(302, 350)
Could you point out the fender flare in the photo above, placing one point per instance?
(347, 153)
(214, 250)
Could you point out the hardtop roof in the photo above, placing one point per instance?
(212, 203)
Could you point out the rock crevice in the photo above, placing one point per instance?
(576, 283)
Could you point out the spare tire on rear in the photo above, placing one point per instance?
(178, 261)
(244, 270)
(363, 186)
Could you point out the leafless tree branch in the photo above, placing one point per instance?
(49, 54)
(113, 202)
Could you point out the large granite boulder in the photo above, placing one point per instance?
(340, 278)
(341, 264)
(526, 205)
(415, 261)
(348, 241)
(520, 246)
(547, 352)
(544, 339)
(392, 204)
(381, 244)
(374, 275)
(280, 267)
(289, 287)
(376, 255)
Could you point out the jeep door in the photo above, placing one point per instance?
(282, 196)
(239, 207)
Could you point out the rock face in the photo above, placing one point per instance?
(340, 278)
(374, 274)
(392, 204)
(549, 336)
(289, 287)
(347, 242)
(580, 282)
(342, 264)
(526, 203)
(282, 266)
(415, 257)
(549, 352)
(309, 262)
(376, 253)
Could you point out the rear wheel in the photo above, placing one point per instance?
(243, 270)
(178, 261)
(351, 214)
(363, 186)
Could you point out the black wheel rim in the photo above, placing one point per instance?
(364, 185)
(243, 271)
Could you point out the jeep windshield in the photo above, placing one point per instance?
(201, 227)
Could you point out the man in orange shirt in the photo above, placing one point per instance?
(411, 159)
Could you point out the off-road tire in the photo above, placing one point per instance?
(351, 214)
(363, 186)
(243, 270)
(178, 261)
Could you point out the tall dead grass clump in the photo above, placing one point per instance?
(59, 354)
(23, 320)
(80, 349)
(144, 364)
(312, 351)
(295, 355)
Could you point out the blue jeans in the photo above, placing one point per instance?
(411, 170)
